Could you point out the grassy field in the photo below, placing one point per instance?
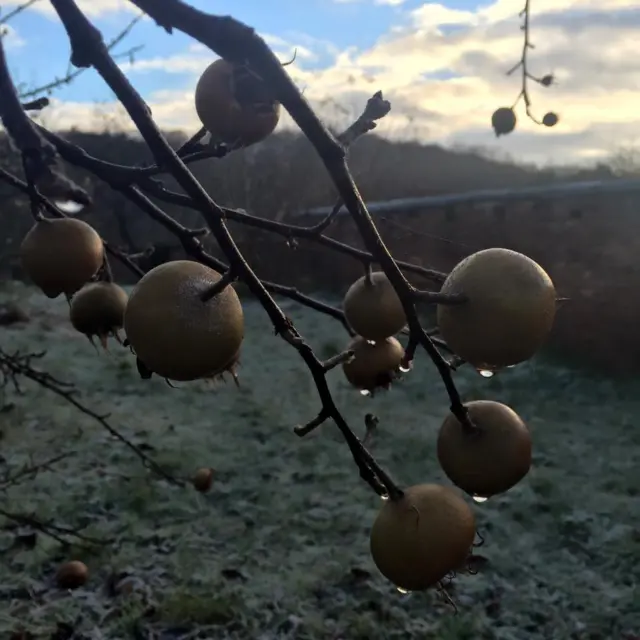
(279, 548)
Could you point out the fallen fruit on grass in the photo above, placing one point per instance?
(72, 575)
(173, 332)
(98, 310)
(373, 365)
(372, 307)
(202, 480)
(61, 255)
(420, 538)
(509, 312)
(235, 105)
(492, 458)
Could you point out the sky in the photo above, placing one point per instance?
(442, 65)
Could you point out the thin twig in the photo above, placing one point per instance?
(15, 366)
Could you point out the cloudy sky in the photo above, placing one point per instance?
(442, 65)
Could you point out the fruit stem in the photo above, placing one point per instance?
(462, 414)
(368, 273)
(338, 359)
(107, 273)
(211, 292)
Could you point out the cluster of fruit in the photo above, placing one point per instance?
(173, 332)
(180, 331)
(508, 311)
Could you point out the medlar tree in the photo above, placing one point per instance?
(184, 319)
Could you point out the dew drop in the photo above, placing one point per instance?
(384, 497)
(486, 373)
(479, 499)
(402, 591)
(365, 392)
(405, 368)
(70, 207)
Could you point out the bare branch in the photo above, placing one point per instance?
(16, 366)
(239, 43)
(88, 49)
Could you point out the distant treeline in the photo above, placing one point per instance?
(587, 245)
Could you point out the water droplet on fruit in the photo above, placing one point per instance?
(479, 499)
(70, 207)
(402, 591)
(486, 373)
(405, 368)
(365, 392)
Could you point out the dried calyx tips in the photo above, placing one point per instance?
(98, 310)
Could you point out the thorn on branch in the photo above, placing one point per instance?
(305, 429)
(371, 422)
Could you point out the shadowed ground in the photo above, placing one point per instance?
(279, 548)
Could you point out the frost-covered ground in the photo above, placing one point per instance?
(279, 548)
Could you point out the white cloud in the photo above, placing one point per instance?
(197, 57)
(444, 73)
(391, 3)
(91, 8)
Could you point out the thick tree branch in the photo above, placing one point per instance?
(89, 49)
(239, 43)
